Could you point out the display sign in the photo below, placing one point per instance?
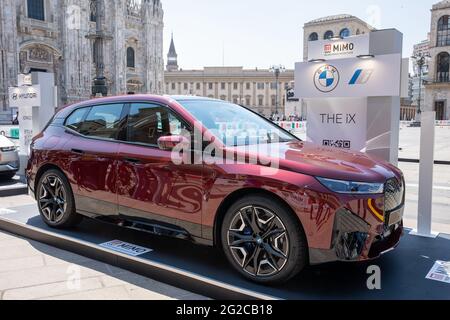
(440, 272)
(378, 76)
(350, 47)
(337, 122)
(25, 96)
(25, 80)
(126, 248)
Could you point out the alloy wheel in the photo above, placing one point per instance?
(258, 241)
(52, 199)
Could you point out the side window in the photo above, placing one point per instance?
(103, 121)
(74, 121)
(147, 123)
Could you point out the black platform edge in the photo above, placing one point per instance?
(439, 162)
(11, 192)
(160, 272)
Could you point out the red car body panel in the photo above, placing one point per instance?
(109, 178)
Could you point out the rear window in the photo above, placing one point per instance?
(103, 121)
(75, 120)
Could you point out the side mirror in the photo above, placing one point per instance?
(168, 143)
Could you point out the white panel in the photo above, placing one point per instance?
(379, 76)
(339, 122)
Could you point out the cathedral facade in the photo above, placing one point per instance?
(120, 41)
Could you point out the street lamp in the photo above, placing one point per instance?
(421, 61)
(277, 70)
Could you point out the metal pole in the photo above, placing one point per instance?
(277, 75)
(420, 64)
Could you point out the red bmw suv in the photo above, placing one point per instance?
(218, 174)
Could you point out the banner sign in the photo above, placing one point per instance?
(379, 76)
(350, 47)
(339, 123)
(26, 96)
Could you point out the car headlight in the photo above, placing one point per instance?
(351, 187)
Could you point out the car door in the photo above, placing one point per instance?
(93, 157)
(151, 186)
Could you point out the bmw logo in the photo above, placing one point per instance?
(326, 78)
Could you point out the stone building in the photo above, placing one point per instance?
(78, 40)
(437, 86)
(254, 88)
(342, 26)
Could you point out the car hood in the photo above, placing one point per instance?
(308, 158)
(5, 142)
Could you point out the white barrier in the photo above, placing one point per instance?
(9, 131)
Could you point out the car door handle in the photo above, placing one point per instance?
(77, 151)
(132, 160)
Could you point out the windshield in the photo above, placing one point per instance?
(235, 125)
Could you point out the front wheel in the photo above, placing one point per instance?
(55, 200)
(263, 240)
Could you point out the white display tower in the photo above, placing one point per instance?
(35, 98)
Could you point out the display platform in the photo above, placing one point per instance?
(205, 271)
(13, 187)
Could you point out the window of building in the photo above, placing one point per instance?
(313, 36)
(328, 35)
(247, 101)
(222, 97)
(273, 100)
(235, 86)
(235, 100)
(103, 121)
(260, 101)
(173, 86)
(198, 86)
(36, 9)
(248, 85)
(147, 123)
(260, 86)
(131, 63)
(443, 32)
(210, 86)
(185, 86)
(345, 33)
(273, 85)
(222, 86)
(93, 10)
(443, 67)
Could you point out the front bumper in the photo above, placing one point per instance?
(355, 240)
(13, 166)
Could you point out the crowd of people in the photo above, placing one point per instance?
(293, 118)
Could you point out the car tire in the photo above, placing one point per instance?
(7, 176)
(269, 260)
(55, 200)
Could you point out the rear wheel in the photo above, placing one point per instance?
(55, 200)
(263, 240)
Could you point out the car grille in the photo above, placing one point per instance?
(394, 196)
(8, 149)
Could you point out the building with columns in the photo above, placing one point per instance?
(254, 88)
(437, 85)
(80, 40)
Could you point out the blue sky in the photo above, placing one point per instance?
(260, 33)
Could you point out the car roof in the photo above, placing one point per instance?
(191, 98)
